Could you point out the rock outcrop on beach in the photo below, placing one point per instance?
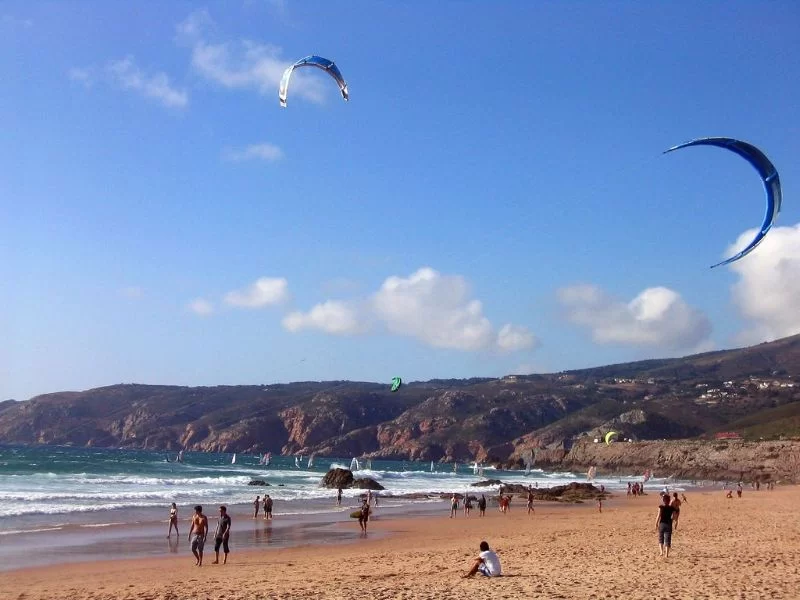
(752, 392)
(337, 478)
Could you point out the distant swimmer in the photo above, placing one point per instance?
(197, 534)
(173, 519)
(487, 563)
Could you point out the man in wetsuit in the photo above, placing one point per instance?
(222, 535)
(200, 529)
(664, 526)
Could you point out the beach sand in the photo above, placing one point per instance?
(723, 548)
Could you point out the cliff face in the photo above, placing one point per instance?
(755, 391)
(683, 459)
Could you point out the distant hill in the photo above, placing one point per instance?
(754, 391)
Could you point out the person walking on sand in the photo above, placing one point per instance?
(256, 505)
(467, 504)
(739, 490)
(197, 534)
(664, 526)
(530, 500)
(487, 563)
(222, 535)
(363, 518)
(173, 520)
(676, 504)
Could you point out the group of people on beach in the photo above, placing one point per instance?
(467, 505)
(267, 505)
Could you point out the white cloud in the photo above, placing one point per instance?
(201, 307)
(512, 338)
(337, 318)
(432, 308)
(267, 152)
(768, 290)
(657, 317)
(264, 292)
(195, 25)
(126, 74)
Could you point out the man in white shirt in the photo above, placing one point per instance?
(487, 563)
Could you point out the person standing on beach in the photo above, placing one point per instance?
(482, 506)
(453, 506)
(363, 518)
(487, 563)
(222, 535)
(530, 500)
(268, 507)
(664, 526)
(173, 520)
(339, 497)
(676, 504)
(200, 529)
(257, 505)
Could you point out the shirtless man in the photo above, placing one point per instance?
(200, 529)
(676, 504)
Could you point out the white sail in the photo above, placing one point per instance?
(431, 466)
(354, 464)
(233, 460)
(311, 460)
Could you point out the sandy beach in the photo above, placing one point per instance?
(723, 548)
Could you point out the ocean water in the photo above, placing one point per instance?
(86, 495)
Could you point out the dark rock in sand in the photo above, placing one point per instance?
(487, 483)
(338, 478)
(366, 484)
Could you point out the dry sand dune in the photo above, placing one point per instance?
(723, 548)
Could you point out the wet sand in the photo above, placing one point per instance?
(723, 548)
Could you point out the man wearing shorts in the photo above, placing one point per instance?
(222, 535)
(664, 526)
(268, 507)
(197, 534)
(487, 563)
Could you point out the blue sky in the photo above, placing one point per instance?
(492, 199)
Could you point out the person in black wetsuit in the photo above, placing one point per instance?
(666, 513)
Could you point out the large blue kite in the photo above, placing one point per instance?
(769, 177)
(312, 61)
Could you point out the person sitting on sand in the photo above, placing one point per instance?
(487, 563)
(173, 520)
(729, 494)
(222, 535)
(664, 526)
(200, 529)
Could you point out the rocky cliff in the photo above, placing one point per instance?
(753, 391)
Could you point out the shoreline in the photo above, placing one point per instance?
(743, 548)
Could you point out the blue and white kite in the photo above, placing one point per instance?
(312, 61)
(769, 177)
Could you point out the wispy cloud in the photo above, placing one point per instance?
(84, 75)
(433, 308)
(126, 74)
(12, 21)
(242, 64)
(264, 151)
(201, 307)
(266, 291)
(657, 317)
